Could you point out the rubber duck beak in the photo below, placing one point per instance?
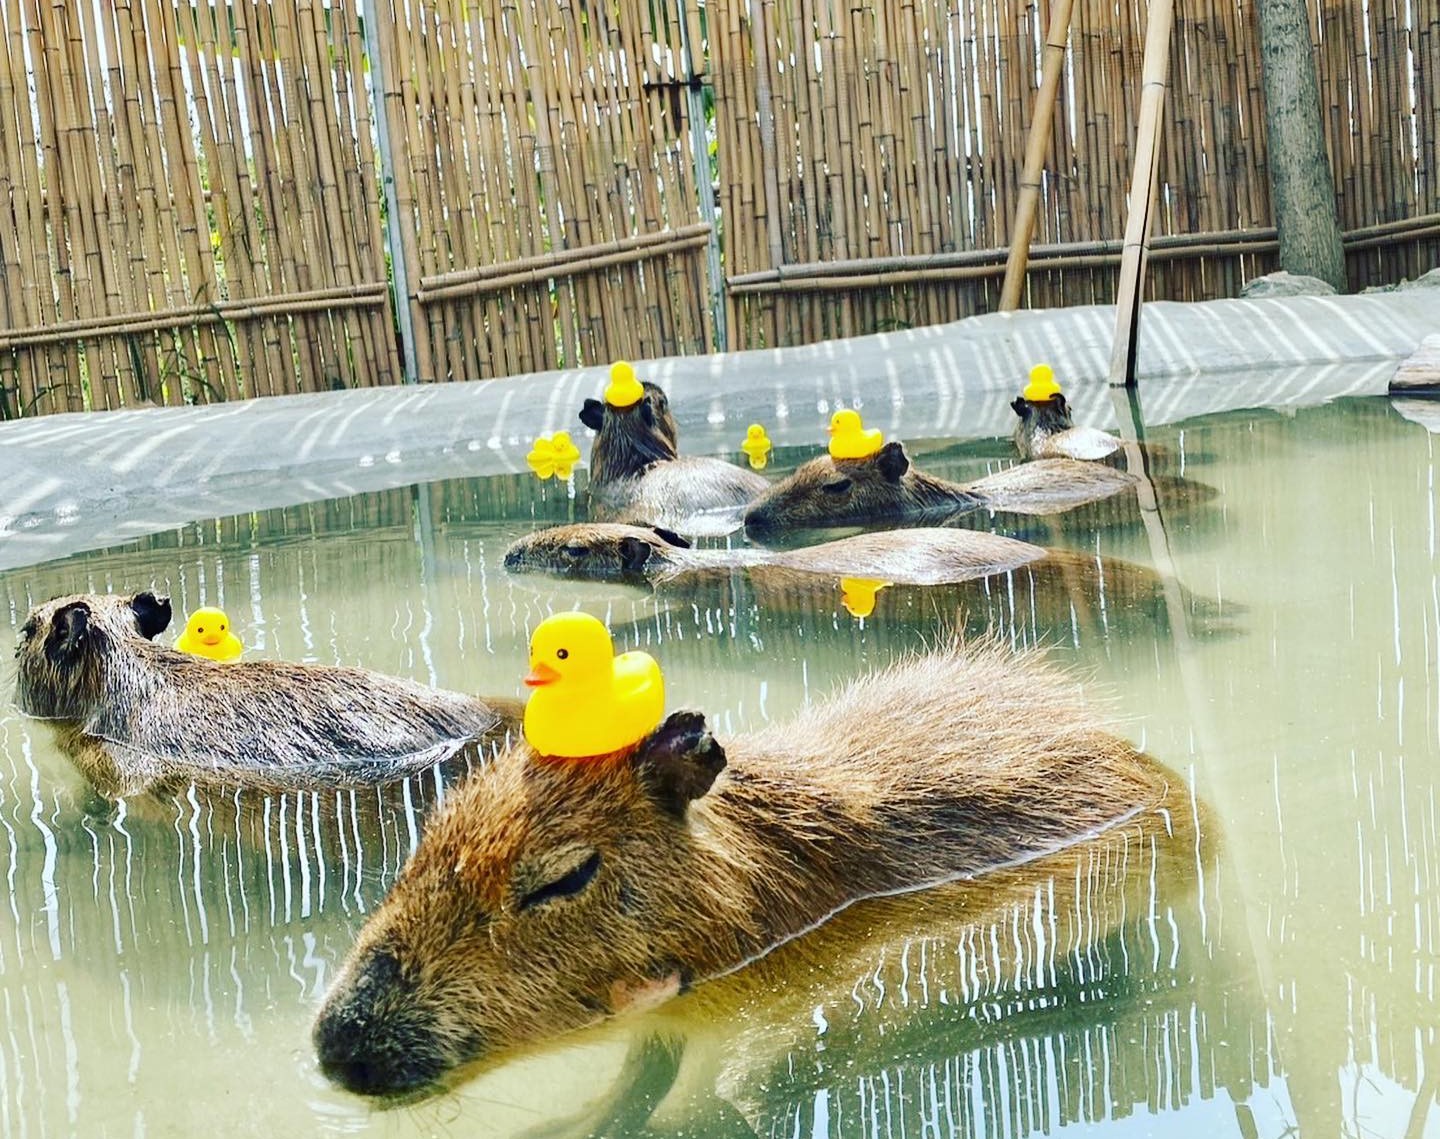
(211, 639)
(540, 675)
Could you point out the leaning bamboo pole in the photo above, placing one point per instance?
(1155, 75)
(1035, 151)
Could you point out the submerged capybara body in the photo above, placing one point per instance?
(548, 894)
(637, 474)
(134, 713)
(886, 487)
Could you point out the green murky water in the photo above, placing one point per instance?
(160, 961)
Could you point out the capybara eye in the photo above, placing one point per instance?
(577, 552)
(564, 886)
(562, 654)
(839, 486)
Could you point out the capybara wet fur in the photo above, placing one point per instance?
(637, 474)
(135, 714)
(547, 894)
(886, 486)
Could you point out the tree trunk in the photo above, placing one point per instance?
(1301, 185)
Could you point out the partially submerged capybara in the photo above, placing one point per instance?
(1047, 431)
(885, 486)
(638, 475)
(547, 894)
(133, 713)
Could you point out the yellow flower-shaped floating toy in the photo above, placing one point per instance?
(1042, 385)
(756, 446)
(553, 455)
(849, 439)
(586, 701)
(857, 594)
(207, 634)
(623, 390)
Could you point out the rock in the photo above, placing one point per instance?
(1421, 372)
(1283, 284)
(1430, 280)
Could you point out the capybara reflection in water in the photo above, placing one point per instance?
(886, 487)
(548, 894)
(133, 713)
(637, 473)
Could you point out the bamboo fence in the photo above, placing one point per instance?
(194, 205)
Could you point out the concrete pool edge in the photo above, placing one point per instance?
(87, 480)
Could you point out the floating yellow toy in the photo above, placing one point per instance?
(1042, 385)
(207, 634)
(553, 455)
(624, 389)
(857, 594)
(756, 446)
(586, 700)
(849, 439)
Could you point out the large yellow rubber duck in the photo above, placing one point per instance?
(207, 634)
(587, 701)
(624, 390)
(1042, 385)
(857, 594)
(553, 455)
(849, 439)
(756, 446)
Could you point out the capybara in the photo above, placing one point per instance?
(1047, 431)
(886, 487)
(547, 894)
(133, 713)
(637, 474)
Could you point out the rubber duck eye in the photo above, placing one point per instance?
(200, 629)
(562, 654)
(840, 486)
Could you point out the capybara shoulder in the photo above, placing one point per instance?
(132, 711)
(546, 893)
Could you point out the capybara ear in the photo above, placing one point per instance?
(152, 614)
(671, 537)
(892, 461)
(1060, 403)
(1021, 407)
(592, 414)
(68, 628)
(634, 553)
(679, 761)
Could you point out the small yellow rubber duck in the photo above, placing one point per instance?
(849, 439)
(624, 389)
(553, 455)
(857, 594)
(1042, 385)
(207, 634)
(586, 700)
(756, 446)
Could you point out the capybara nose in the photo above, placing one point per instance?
(759, 520)
(512, 559)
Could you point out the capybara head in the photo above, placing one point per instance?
(1038, 419)
(64, 644)
(545, 895)
(629, 439)
(609, 551)
(840, 492)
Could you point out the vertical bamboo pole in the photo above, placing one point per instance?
(1035, 151)
(694, 70)
(1154, 78)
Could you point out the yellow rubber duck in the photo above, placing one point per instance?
(587, 701)
(756, 446)
(624, 389)
(553, 455)
(1042, 385)
(849, 439)
(857, 594)
(207, 634)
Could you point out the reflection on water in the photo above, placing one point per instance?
(160, 958)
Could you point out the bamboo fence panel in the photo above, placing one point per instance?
(171, 169)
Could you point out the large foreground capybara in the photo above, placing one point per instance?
(886, 487)
(638, 475)
(133, 713)
(547, 894)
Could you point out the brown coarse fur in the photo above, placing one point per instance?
(1046, 430)
(638, 476)
(546, 893)
(887, 487)
(610, 552)
(133, 713)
